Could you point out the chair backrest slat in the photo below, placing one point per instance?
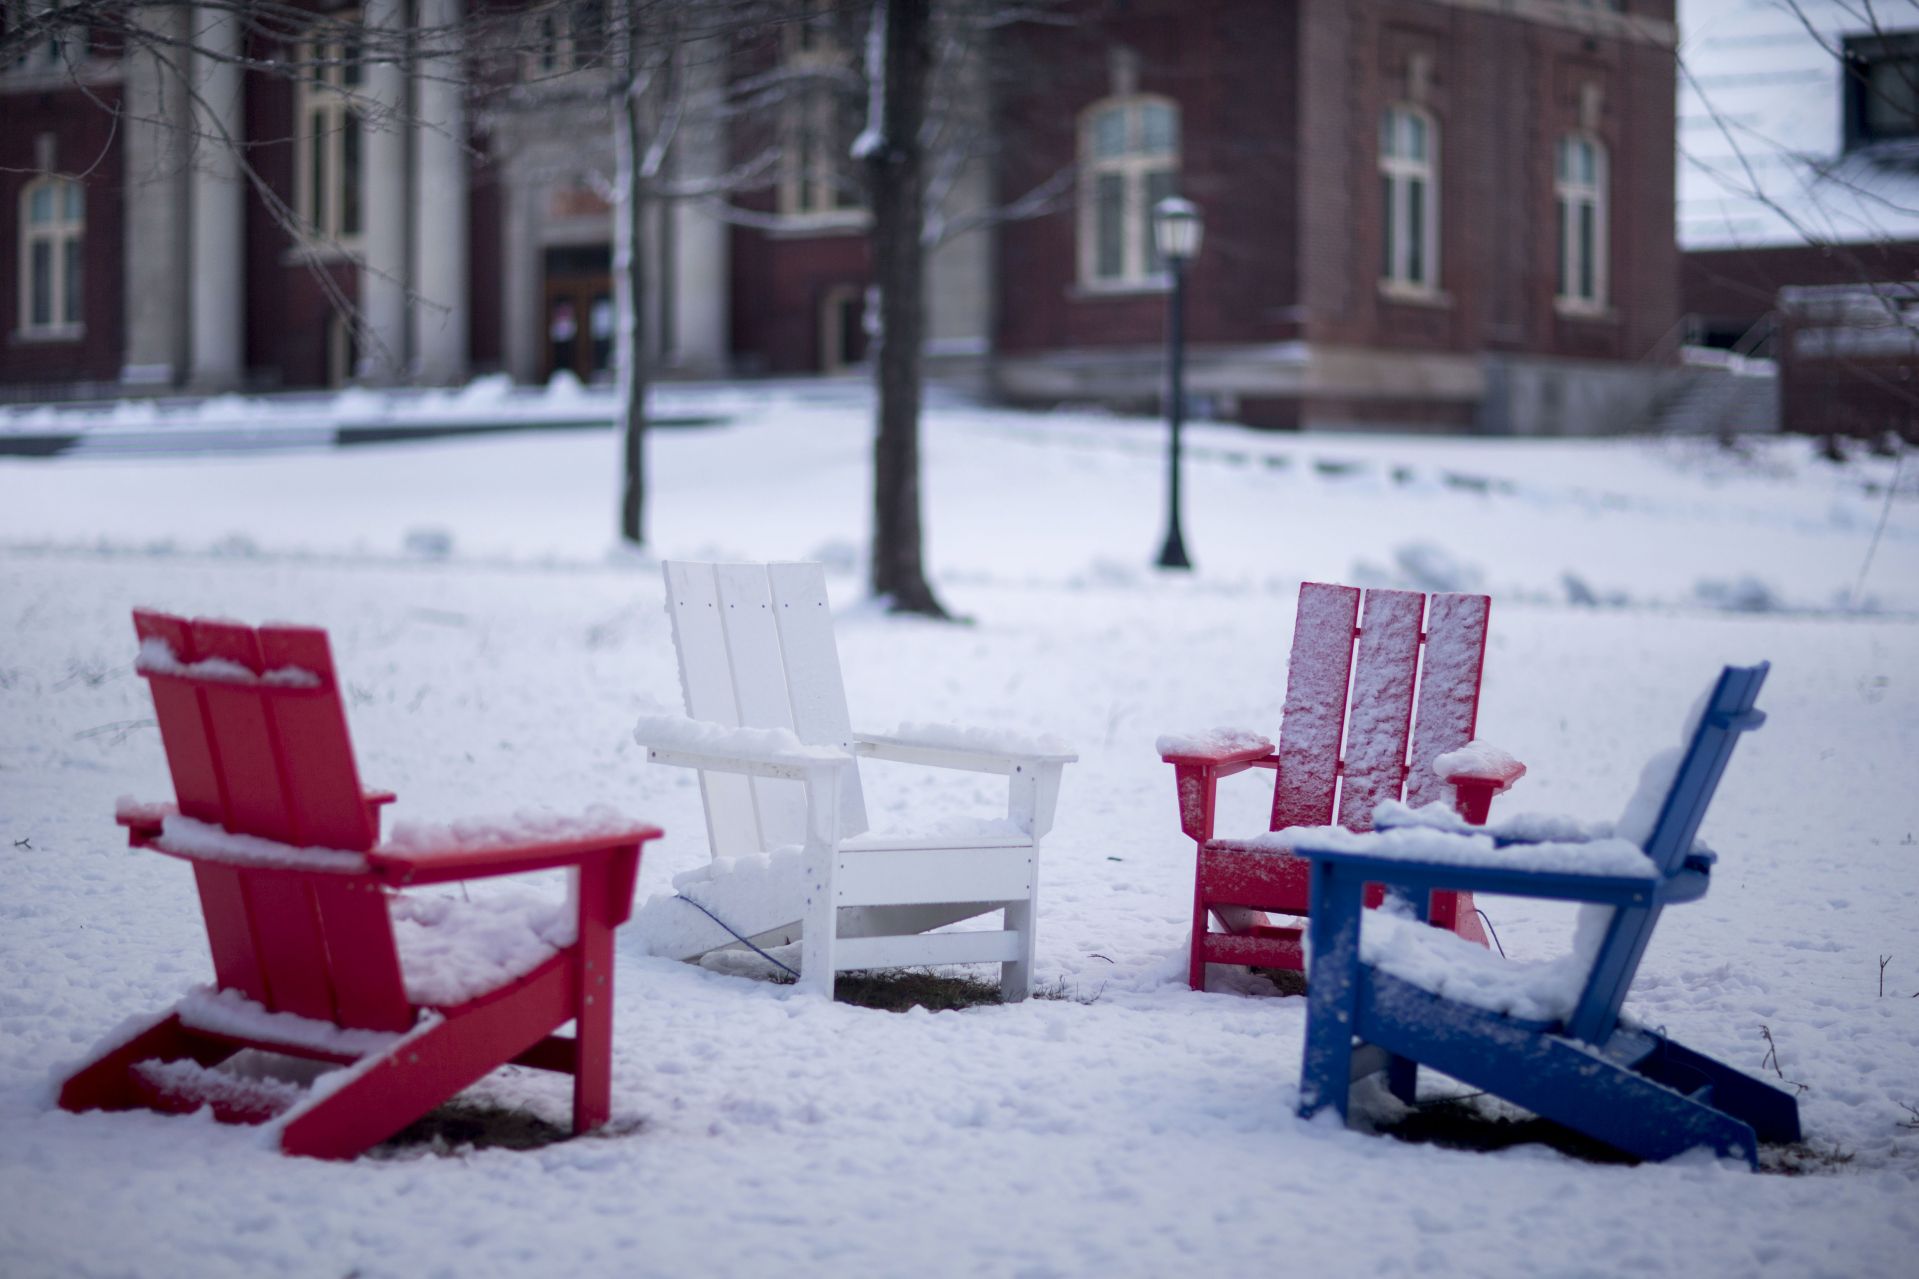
(812, 657)
(759, 686)
(325, 803)
(1729, 711)
(1311, 728)
(1449, 676)
(706, 681)
(1381, 711)
(183, 727)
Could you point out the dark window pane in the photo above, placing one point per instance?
(73, 280)
(40, 286)
(1586, 247)
(316, 171)
(1892, 98)
(1387, 214)
(350, 173)
(1109, 218)
(1416, 231)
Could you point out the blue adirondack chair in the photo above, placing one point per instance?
(1550, 1040)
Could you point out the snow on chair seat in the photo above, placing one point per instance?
(1386, 992)
(778, 760)
(315, 952)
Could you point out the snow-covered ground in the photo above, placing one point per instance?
(498, 650)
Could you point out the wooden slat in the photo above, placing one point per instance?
(1449, 675)
(244, 744)
(223, 903)
(1310, 732)
(759, 689)
(706, 680)
(927, 948)
(904, 877)
(813, 679)
(183, 728)
(369, 990)
(326, 805)
(1381, 709)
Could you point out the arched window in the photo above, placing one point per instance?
(1409, 199)
(818, 180)
(1579, 190)
(52, 232)
(1129, 162)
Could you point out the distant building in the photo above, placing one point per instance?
(1799, 203)
(1449, 214)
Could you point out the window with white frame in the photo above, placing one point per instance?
(564, 36)
(1409, 199)
(817, 179)
(52, 239)
(1579, 190)
(328, 135)
(1129, 162)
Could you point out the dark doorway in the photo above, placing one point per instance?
(578, 314)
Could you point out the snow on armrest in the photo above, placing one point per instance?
(128, 811)
(532, 839)
(203, 841)
(1478, 850)
(1478, 761)
(1216, 746)
(960, 741)
(699, 743)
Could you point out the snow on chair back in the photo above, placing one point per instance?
(256, 740)
(1729, 712)
(756, 650)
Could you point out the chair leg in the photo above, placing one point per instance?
(593, 1022)
(1402, 1078)
(1196, 966)
(819, 920)
(1016, 977)
(1332, 991)
(106, 1083)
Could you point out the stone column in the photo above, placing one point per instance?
(153, 283)
(440, 206)
(701, 242)
(217, 241)
(383, 196)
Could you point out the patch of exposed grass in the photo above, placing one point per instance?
(895, 990)
(462, 1125)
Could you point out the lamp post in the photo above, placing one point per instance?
(1176, 230)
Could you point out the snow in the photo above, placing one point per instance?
(985, 741)
(526, 826)
(1614, 856)
(1148, 1131)
(452, 949)
(192, 838)
(1476, 759)
(1216, 741)
(156, 657)
(723, 741)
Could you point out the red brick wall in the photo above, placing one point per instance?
(85, 142)
(1280, 106)
(1732, 289)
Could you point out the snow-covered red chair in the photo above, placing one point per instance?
(1387, 994)
(769, 732)
(315, 955)
(1342, 751)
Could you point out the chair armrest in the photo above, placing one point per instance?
(974, 752)
(1216, 749)
(143, 820)
(761, 752)
(1477, 771)
(1199, 760)
(407, 864)
(1612, 871)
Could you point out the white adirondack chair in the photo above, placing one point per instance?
(769, 732)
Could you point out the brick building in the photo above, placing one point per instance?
(1434, 213)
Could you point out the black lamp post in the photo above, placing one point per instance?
(1176, 231)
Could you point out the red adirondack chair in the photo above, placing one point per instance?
(315, 955)
(1368, 708)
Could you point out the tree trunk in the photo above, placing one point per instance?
(630, 265)
(898, 189)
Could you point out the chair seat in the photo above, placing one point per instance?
(453, 950)
(1444, 964)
